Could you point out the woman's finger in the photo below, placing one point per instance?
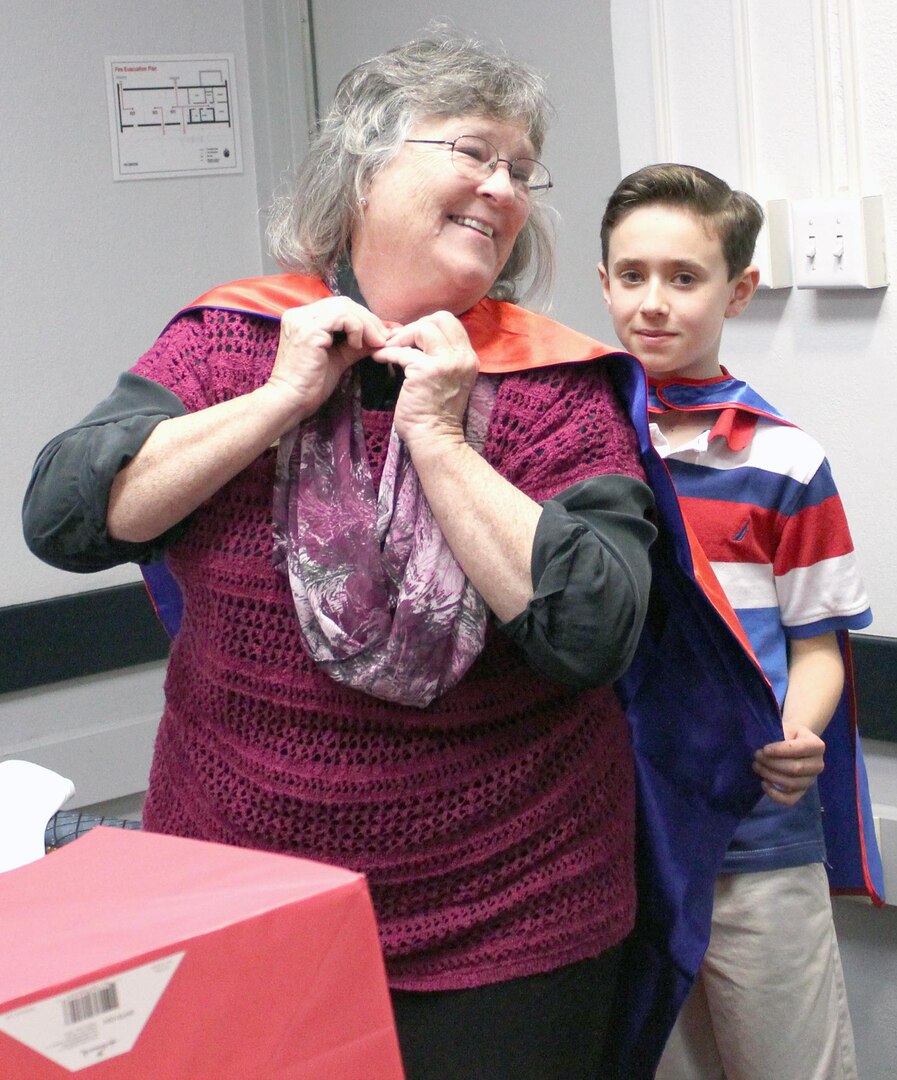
(341, 319)
(431, 333)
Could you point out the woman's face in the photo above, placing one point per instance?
(431, 238)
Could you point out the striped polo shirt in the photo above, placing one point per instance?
(770, 519)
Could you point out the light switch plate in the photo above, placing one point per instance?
(839, 243)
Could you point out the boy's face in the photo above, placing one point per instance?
(668, 290)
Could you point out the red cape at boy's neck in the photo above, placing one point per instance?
(505, 337)
(738, 404)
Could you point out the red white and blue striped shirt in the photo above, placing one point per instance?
(759, 494)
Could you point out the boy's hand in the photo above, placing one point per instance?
(788, 768)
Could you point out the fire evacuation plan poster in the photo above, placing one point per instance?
(173, 116)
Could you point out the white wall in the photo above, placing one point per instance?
(825, 358)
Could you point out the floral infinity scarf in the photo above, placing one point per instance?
(382, 603)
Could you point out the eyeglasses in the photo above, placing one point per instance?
(478, 158)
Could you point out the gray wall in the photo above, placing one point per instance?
(92, 270)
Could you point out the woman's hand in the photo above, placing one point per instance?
(186, 459)
(440, 368)
(318, 342)
(488, 523)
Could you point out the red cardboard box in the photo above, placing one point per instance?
(133, 956)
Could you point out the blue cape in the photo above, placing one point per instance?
(854, 863)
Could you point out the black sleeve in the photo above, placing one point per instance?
(64, 515)
(591, 577)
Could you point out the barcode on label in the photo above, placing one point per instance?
(91, 1003)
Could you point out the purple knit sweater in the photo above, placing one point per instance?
(496, 825)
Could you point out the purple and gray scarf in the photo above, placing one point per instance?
(382, 603)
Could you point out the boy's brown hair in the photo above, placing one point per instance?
(734, 216)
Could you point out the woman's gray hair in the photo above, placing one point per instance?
(376, 105)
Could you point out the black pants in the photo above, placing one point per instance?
(542, 1027)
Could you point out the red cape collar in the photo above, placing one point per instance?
(505, 337)
(738, 404)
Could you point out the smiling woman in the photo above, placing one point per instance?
(444, 224)
(408, 523)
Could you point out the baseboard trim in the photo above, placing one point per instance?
(104, 763)
(69, 637)
(875, 666)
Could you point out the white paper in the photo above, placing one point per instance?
(173, 116)
(93, 1022)
(29, 796)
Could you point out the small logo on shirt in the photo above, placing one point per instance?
(742, 532)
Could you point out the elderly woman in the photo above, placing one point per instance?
(408, 521)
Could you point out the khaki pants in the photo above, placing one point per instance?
(769, 1002)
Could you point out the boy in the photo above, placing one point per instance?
(769, 999)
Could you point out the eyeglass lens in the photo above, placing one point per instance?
(470, 153)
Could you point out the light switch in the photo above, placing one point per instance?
(839, 243)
